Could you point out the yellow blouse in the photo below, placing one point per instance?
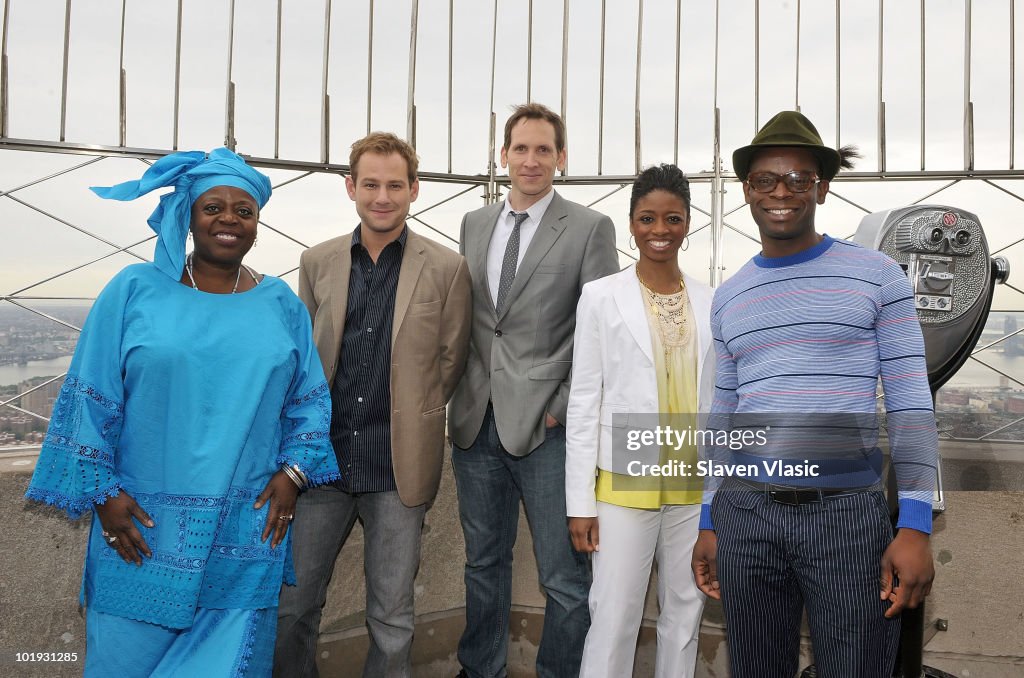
(674, 343)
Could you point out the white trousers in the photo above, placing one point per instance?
(630, 540)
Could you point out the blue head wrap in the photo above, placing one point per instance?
(192, 173)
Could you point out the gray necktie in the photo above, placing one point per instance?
(510, 261)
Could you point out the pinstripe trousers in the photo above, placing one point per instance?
(775, 559)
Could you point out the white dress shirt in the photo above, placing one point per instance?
(503, 231)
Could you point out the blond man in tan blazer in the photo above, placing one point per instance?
(391, 321)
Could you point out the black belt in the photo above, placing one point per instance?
(796, 496)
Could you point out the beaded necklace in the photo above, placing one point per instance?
(670, 314)
(238, 275)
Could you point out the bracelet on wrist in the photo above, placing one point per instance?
(296, 476)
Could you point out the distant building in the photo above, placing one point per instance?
(42, 399)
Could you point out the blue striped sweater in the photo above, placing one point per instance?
(801, 341)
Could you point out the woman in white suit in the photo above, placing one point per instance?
(642, 336)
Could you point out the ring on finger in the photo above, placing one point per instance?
(111, 539)
(288, 517)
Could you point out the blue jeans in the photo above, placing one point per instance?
(774, 559)
(490, 484)
(392, 531)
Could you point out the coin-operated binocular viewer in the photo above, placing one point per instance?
(946, 257)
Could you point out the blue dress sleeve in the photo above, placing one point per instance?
(306, 417)
(77, 464)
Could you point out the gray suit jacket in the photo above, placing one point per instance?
(520, 361)
(429, 339)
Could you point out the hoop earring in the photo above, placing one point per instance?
(632, 242)
(686, 243)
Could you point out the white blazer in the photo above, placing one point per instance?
(613, 372)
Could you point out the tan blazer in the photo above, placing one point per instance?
(429, 343)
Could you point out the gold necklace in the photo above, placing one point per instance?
(668, 313)
(649, 289)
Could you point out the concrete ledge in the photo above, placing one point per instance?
(978, 544)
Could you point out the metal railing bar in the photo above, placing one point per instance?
(757, 65)
(229, 101)
(64, 71)
(935, 192)
(277, 82)
(435, 230)
(325, 98)
(51, 176)
(565, 62)
(839, 78)
(600, 92)
(796, 87)
(923, 69)
(880, 103)
(998, 371)
(43, 315)
(70, 225)
(451, 45)
(1002, 428)
(636, 87)
(1006, 247)
(850, 202)
(410, 104)
(735, 209)
(288, 272)
(608, 194)
(3, 70)
(702, 176)
(529, 51)
(1013, 287)
(494, 64)
(968, 106)
(33, 389)
(448, 199)
(996, 342)
(293, 180)
(715, 88)
(122, 83)
(743, 233)
(177, 77)
(1004, 190)
(369, 67)
(83, 265)
(28, 412)
(282, 233)
(34, 298)
(697, 208)
(675, 101)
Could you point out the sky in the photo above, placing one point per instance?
(602, 131)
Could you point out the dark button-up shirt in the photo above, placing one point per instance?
(361, 396)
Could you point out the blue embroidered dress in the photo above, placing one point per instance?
(190, 402)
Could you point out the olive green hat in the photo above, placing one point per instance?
(788, 128)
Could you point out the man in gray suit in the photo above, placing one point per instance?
(529, 257)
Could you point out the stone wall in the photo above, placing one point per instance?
(979, 590)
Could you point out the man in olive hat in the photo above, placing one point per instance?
(803, 331)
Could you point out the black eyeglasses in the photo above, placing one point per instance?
(797, 182)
